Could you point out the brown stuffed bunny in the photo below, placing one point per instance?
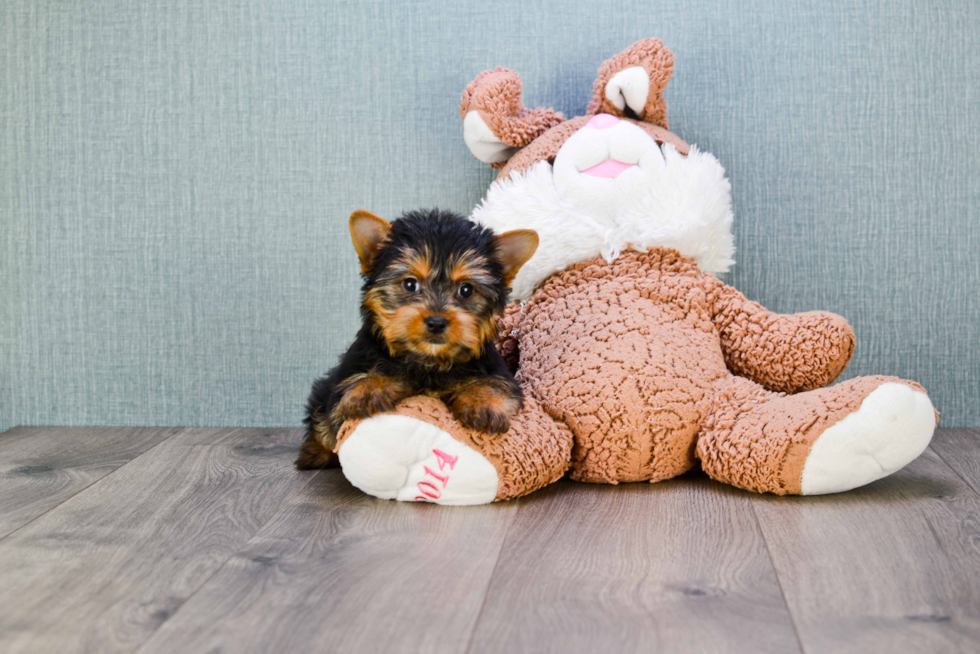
(636, 362)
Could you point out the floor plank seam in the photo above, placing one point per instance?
(225, 562)
(493, 573)
(81, 490)
(779, 582)
(969, 484)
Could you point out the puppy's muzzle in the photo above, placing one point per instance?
(436, 325)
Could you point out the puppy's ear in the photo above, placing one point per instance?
(514, 248)
(368, 232)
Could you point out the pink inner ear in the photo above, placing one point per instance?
(609, 168)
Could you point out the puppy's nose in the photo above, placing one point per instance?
(436, 324)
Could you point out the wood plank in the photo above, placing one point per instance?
(890, 567)
(41, 467)
(338, 571)
(677, 566)
(960, 449)
(102, 571)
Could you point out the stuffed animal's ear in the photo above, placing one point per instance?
(514, 248)
(495, 123)
(368, 232)
(632, 83)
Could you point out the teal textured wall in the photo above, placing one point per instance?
(175, 178)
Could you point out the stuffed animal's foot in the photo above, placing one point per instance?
(421, 453)
(822, 441)
(403, 458)
(893, 426)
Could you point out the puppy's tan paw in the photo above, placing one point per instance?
(367, 395)
(482, 418)
(484, 407)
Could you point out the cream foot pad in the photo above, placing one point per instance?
(396, 457)
(893, 425)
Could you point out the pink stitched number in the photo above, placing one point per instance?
(434, 494)
(445, 459)
(443, 478)
(432, 491)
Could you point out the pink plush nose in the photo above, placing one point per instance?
(602, 121)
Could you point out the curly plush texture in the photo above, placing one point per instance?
(658, 61)
(540, 132)
(533, 454)
(496, 94)
(783, 353)
(759, 440)
(633, 356)
(625, 354)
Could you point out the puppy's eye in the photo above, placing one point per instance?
(465, 291)
(410, 285)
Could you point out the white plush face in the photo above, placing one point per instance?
(612, 187)
(604, 166)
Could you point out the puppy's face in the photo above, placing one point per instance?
(433, 291)
(435, 307)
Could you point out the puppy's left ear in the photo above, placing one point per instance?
(368, 232)
(514, 248)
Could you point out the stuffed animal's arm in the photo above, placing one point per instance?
(783, 352)
(506, 340)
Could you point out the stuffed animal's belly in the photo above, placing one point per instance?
(633, 380)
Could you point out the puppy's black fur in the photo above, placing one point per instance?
(434, 284)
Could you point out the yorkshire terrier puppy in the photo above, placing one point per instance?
(434, 284)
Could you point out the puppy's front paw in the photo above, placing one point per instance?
(368, 395)
(484, 407)
(482, 418)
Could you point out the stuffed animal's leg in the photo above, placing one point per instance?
(823, 441)
(420, 453)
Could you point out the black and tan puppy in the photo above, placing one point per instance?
(434, 284)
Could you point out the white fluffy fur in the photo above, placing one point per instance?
(666, 200)
(390, 455)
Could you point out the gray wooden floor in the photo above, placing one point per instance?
(206, 540)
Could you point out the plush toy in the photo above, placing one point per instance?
(636, 362)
